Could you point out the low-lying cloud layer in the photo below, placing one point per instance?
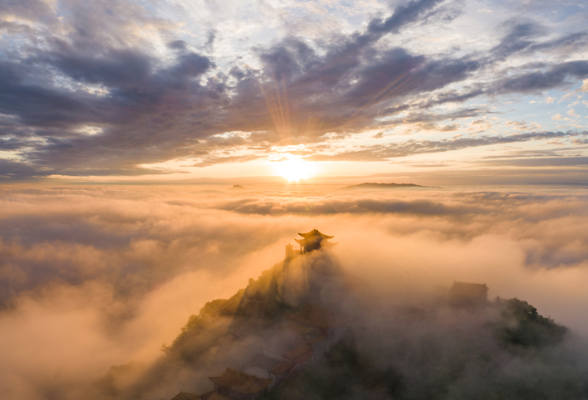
(97, 276)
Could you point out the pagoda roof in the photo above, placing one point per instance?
(265, 362)
(240, 382)
(212, 396)
(280, 368)
(292, 354)
(313, 233)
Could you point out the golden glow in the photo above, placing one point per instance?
(294, 169)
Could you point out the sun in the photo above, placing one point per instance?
(294, 169)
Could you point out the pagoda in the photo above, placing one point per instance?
(313, 240)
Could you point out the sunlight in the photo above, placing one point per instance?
(294, 169)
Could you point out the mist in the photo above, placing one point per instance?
(93, 277)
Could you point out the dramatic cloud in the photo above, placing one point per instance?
(411, 147)
(107, 88)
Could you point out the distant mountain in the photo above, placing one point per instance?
(370, 185)
(238, 187)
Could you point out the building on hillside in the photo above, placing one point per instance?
(264, 361)
(186, 396)
(237, 385)
(319, 340)
(290, 253)
(299, 355)
(213, 396)
(313, 240)
(464, 294)
(280, 371)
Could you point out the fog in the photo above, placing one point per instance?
(98, 276)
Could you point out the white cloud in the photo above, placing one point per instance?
(557, 117)
(549, 100)
(565, 97)
(584, 86)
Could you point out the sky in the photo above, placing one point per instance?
(177, 90)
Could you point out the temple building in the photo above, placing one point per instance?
(213, 396)
(313, 240)
(237, 385)
(186, 396)
(464, 294)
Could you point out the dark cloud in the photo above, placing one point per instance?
(149, 108)
(32, 10)
(535, 82)
(542, 162)
(208, 161)
(403, 15)
(411, 147)
(17, 170)
(518, 38)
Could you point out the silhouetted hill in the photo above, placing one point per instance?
(422, 359)
(521, 326)
(369, 185)
(500, 349)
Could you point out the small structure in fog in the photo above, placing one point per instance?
(212, 396)
(463, 294)
(186, 396)
(238, 385)
(299, 355)
(280, 371)
(290, 253)
(313, 240)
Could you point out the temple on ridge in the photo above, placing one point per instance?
(313, 240)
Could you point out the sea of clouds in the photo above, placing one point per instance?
(95, 276)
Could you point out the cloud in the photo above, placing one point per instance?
(208, 161)
(16, 170)
(518, 37)
(412, 147)
(152, 96)
(95, 276)
(557, 75)
(542, 162)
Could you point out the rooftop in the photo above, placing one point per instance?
(280, 368)
(298, 351)
(240, 382)
(213, 396)
(314, 233)
(186, 396)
